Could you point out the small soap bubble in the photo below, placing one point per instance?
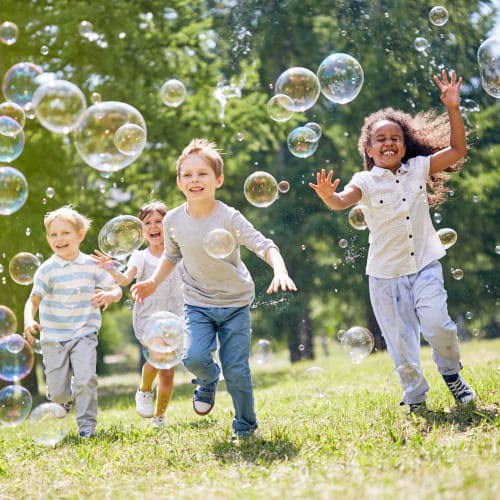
(341, 78)
(497, 249)
(173, 93)
(48, 425)
(358, 342)
(262, 351)
(50, 192)
(130, 139)
(240, 137)
(120, 236)
(280, 108)
(301, 85)
(9, 32)
(343, 243)
(457, 274)
(129, 303)
(15, 405)
(469, 315)
(8, 321)
(16, 357)
(219, 243)
(438, 16)
(340, 334)
(27, 231)
(95, 98)
(22, 268)
(316, 128)
(302, 142)
(284, 186)
(437, 217)
(11, 139)
(357, 218)
(44, 50)
(447, 236)
(20, 82)
(14, 111)
(488, 58)
(85, 29)
(421, 44)
(37, 346)
(260, 189)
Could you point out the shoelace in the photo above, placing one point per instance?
(458, 388)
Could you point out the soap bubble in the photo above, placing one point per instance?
(262, 351)
(357, 218)
(58, 105)
(48, 426)
(447, 236)
(95, 135)
(301, 85)
(343, 243)
(130, 139)
(358, 342)
(488, 58)
(13, 190)
(421, 44)
(8, 33)
(302, 142)
(260, 189)
(120, 236)
(410, 376)
(341, 78)
(280, 108)
(15, 405)
(219, 243)
(14, 111)
(50, 192)
(16, 357)
(438, 16)
(163, 342)
(20, 82)
(173, 93)
(457, 274)
(11, 139)
(22, 268)
(315, 127)
(284, 186)
(8, 321)
(85, 29)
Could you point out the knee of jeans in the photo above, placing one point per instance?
(238, 380)
(61, 397)
(89, 382)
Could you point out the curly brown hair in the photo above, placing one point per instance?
(424, 134)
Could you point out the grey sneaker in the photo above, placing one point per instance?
(87, 433)
(144, 403)
(462, 392)
(158, 422)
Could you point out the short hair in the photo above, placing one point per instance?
(152, 206)
(207, 150)
(68, 214)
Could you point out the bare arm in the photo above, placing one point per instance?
(103, 298)
(147, 287)
(450, 97)
(31, 327)
(106, 262)
(326, 190)
(281, 279)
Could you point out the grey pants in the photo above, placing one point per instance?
(70, 372)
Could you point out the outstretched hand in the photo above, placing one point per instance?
(450, 89)
(325, 187)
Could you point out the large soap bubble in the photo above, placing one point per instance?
(13, 190)
(15, 405)
(20, 82)
(447, 236)
(357, 218)
(358, 342)
(172, 93)
(261, 189)
(301, 85)
(8, 321)
(302, 142)
(95, 135)
(219, 243)
(58, 105)
(120, 236)
(341, 78)
(48, 426)
(488, 58)
(16, 357)
(11, 139)
(22, 267)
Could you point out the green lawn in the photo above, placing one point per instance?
(335, 431)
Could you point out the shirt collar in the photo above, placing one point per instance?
(80, 259)
(378, 171)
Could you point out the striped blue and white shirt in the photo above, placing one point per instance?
(65, 288)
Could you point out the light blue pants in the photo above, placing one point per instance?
(232, 325)
(407, 306)
(70, 373)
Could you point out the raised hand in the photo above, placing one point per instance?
(450, 89)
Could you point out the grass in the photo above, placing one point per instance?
(333, 431)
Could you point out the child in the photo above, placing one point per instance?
(401, 155)
(168, 297)
(69, 289)
(217, 291)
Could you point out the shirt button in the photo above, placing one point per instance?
(412, 254)
(410, 236)
(404, 199)
(381, 201)
(407, 217)
(397, 182)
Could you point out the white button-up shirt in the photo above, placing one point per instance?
(402, 237)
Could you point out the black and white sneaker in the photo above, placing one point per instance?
(462, 392)
(416, 408)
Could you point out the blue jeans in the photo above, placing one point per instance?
(233, 327)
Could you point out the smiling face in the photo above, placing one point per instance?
(153, 228)
(64, 239)
(386, 147)
(197, 179)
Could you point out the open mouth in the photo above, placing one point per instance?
(389, 153)
(155, 236)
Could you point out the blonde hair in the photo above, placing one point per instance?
(207, 150)
(68, 214)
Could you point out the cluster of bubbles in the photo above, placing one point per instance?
(162, 343)
(358, 341)
(120, 236)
